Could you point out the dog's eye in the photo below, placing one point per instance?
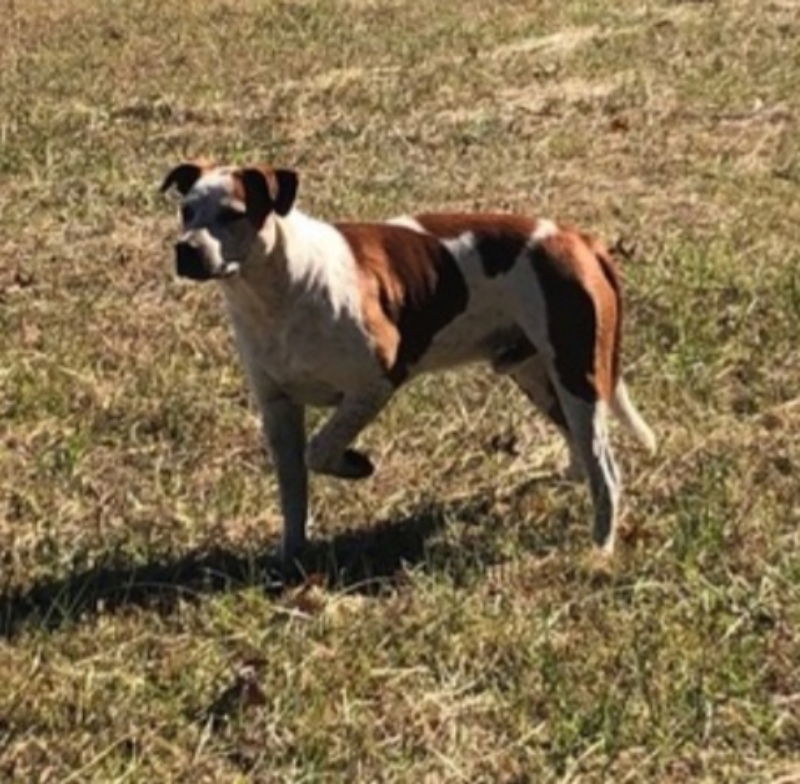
(229, 215)
(187, 213)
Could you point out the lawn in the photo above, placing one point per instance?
(452, 626)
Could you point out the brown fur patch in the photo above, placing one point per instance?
(411, 287)
(611, 271)
(583, 312)
(238, 190)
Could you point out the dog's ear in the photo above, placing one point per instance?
(287, 182)
(266, 190)
(183, 177)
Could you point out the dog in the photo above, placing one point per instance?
(343, 314)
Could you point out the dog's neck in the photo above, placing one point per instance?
(303, 260)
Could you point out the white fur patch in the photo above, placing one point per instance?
(408, 222)
(464, 250)
(544, 229)
(320, 257)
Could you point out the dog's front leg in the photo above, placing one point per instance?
(284, 432)
(329, 452)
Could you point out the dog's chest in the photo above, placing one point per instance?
(309, 359)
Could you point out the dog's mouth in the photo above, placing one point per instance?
(229, 269)
(201, 273)
(190, 263)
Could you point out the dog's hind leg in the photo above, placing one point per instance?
(570, 315)
(532, 377)
(588, 425)
(568, 397)
(328, 451)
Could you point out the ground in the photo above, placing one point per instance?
(453, 625)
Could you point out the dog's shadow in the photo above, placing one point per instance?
(370, 560)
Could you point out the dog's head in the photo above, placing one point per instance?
(225, 211)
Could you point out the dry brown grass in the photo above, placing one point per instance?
(455, 630)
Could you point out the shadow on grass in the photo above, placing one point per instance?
(371, 560)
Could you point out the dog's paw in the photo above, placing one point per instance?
(355, 465)
(350, 464)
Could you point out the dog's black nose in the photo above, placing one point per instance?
(189, 262)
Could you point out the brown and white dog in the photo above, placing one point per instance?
(343, 314)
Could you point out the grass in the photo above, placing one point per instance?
(452, 627)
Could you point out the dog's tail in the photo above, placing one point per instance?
(623, 408)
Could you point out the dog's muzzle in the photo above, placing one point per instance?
(192, 262)
(189, 262)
